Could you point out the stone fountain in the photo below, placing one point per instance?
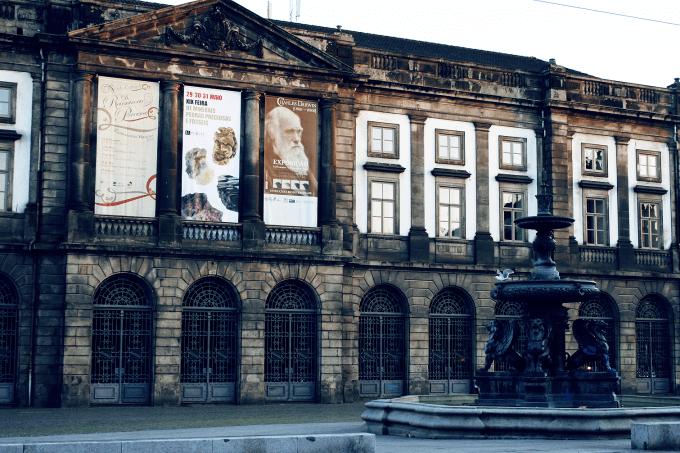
(541, 377)
(543, 393)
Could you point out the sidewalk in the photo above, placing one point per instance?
(384, 444)
(182, 416)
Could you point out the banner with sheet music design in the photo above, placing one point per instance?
(127, 147)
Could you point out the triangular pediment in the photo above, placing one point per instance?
(211, 28)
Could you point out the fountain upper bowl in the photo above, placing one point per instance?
(544, 222)
(548, 291)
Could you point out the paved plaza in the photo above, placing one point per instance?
(104, 424)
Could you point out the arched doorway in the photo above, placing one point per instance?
(652, 346)
(382, 343)
(209, 342)
(510, 310)
(602, 309)
(450, 353)
(121, 341)
(8, 340)
(290, 357)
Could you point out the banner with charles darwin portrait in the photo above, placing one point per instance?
(210, 154)
(127, 144)
(291, 156)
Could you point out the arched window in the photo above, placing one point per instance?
(121, 341)
(209, 342)
(382, 343)
(290, 358)
(507, 309)
(450, 352)
(8, 340)
(653, 345)
(602, 309)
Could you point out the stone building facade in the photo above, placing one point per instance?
(426, 154)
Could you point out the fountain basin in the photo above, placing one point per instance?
(406, 416)
(554, 291)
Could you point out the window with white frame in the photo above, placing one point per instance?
(513, 207)
(450, 147)
(648, 166)
(595, 215)
(383, 205)
(450, 211)
(594, 160)
(383, 140)
(8, 99)
(5, 177)
(513, 153)
(650, 223)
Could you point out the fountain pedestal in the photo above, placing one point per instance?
(508, 389)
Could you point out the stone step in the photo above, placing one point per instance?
(655, 436)
(648, 400)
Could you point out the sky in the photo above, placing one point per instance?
(604, 45)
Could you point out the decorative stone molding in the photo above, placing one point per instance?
(597, 185)
(514, 179)
(214, 34)
(650, 190)
(451, 173)
(387, 168)
(9, 135)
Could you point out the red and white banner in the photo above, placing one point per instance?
(211, 153)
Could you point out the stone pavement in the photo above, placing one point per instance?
(384, 444)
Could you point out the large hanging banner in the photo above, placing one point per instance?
(127, 144)
(291, 162)
(211, 154)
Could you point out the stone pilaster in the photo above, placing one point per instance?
(483, 241)
(557, 165)
(80, 215)
(419, 242)
(626, 252)
(253, 226)
(169, 221)
(331, 232)
(675, 201)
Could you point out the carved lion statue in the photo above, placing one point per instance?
(502, 335)
(538, 345)
(592, 344)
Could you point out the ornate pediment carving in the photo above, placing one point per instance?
(214, 34)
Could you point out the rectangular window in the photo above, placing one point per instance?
(513, 207)
(513, 153)
(450, 216)
(650, 225)
(5, 178)
(450, 147)
(594, 160)
(383, 140)
(8, 99)
(596, 221)
(383, 212)
(648, 166)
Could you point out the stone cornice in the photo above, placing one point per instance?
(597, 185)
(383, 167)
(652, 190)
(451, 173)
(6, 134)
(514, 179)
